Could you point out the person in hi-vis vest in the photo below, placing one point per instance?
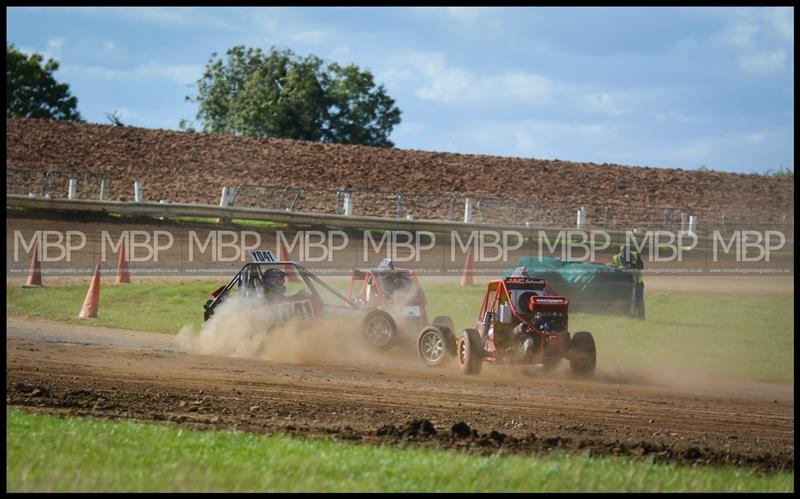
(631, 260)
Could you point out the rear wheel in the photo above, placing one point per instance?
(445, 323)
(469, 352)
(582, 354)
(380, 330)
(433, 346)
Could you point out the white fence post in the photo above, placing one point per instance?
(73, 188)
(225, 200)
(468, 210)
(348, 204)
(581, 217)
(103, 189)
(692, 224)
(137, 191)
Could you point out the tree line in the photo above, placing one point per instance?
(249, 92)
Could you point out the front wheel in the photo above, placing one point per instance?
(380, 330)
(433, 346)
(470, 358)
(582, 354)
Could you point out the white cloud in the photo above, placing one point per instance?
(528, 88)
(780, 20)
(411, 129)
(434, 80)
(763, 63)
(342, 51)
(464, 15)
(428, 63)
(742, 151)
(179, 73)
(605, 103)
(524, 142)
(451, 85)
(756, 137)
(55, 45)
(757, 36)
(273, 24)
(394, 78)
(671, 116)
(312, 36)
(532, 138)
(165, 16)
(467, 15)
(738, 35)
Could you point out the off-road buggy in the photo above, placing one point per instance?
(306, 299)
(397, 292)
(522, 321)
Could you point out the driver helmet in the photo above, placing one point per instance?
(274, 280)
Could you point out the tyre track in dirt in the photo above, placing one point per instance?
(392, 399)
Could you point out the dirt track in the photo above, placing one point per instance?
(393, 399)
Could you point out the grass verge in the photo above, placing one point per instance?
(59, 454)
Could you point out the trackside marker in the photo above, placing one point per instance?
(92, 302)
(467, 279)
(35, 275)
(123, 277)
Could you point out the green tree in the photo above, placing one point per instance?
(780, 172)
(33, 92)
(279, 94)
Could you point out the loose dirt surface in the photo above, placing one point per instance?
(393, 399)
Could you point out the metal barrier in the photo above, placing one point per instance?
(433, 206)
(55, 184)
(389, 204)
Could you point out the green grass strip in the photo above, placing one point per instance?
(55, 454)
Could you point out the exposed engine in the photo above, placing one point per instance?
(537, 340)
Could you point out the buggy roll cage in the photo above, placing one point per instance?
(301, 271)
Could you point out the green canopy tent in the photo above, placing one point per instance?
(590, 287)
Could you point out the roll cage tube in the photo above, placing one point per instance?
(500, 288)
(300, 270)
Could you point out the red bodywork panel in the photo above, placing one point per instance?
(548, 304)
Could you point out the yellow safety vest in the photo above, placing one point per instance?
(616, 262)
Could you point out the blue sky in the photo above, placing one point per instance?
(661, 87)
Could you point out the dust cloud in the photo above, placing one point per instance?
(247, 327)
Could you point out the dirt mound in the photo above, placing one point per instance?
(192, 168)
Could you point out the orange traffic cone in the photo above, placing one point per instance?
(122, 273)
(92, 301)
(291, 274)
(35, 275)
(466, 279)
